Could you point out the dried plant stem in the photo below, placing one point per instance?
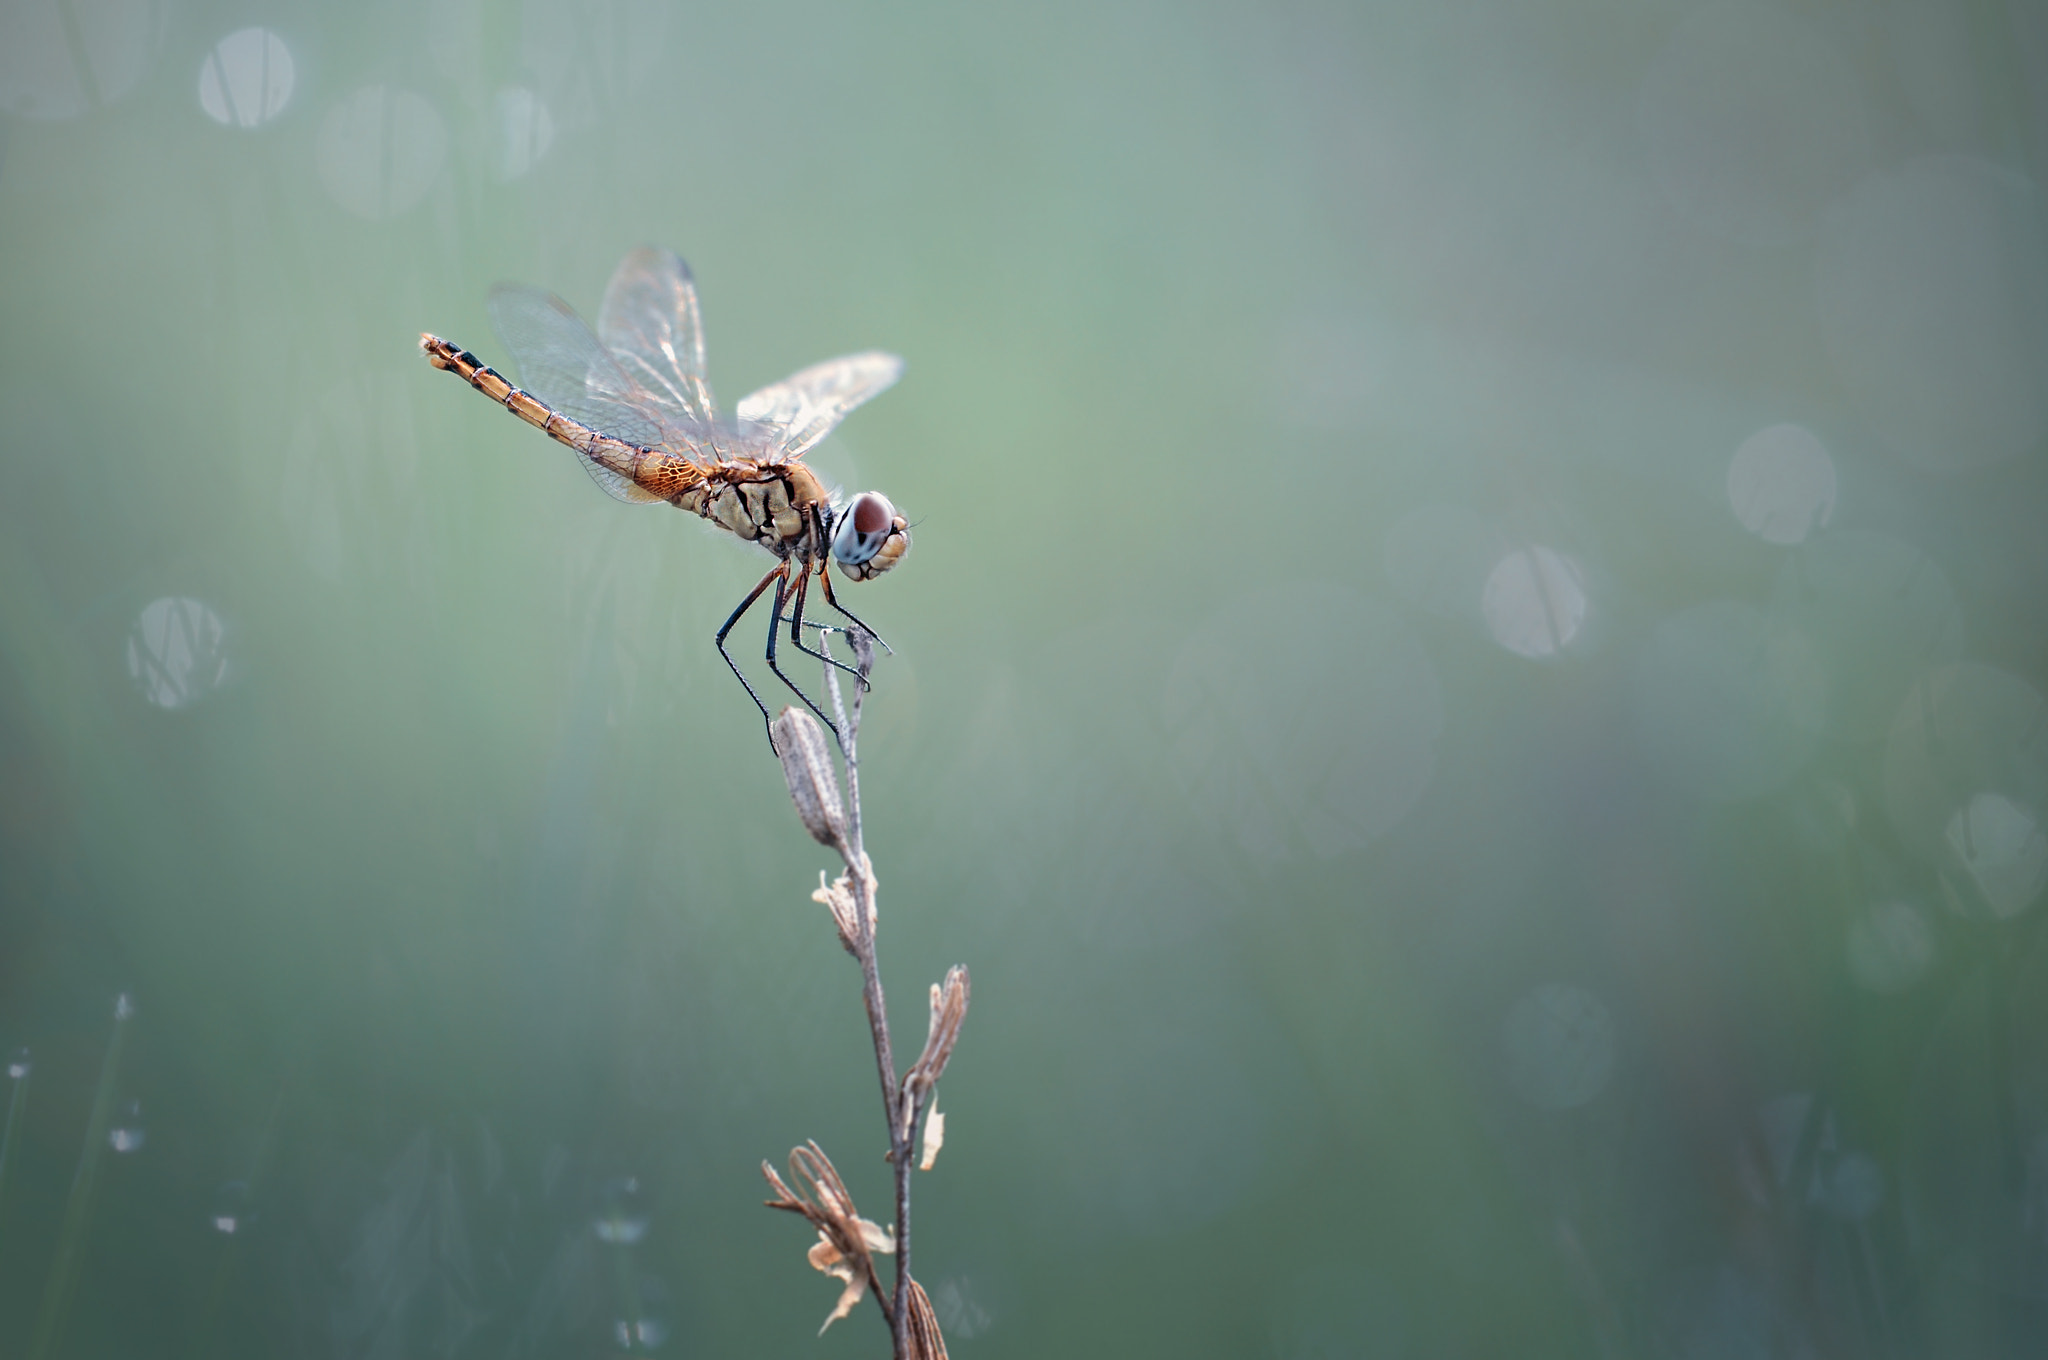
(902, 1130)
(847, 1243)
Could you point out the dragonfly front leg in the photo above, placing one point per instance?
(783, 592)
(778, 572)
(796, 625)
(825, 578)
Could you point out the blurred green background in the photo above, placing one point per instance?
(1469, 685)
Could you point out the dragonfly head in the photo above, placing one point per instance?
(869, 536)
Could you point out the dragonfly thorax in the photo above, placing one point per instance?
(776, 505)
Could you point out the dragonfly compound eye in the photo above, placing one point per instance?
(870, 536)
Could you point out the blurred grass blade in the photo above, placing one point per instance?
(78, 1205)
(16, 1101)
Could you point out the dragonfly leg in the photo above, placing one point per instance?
(825, 578)
(817, 627)
(796, 637)
(784, 591)
(780, 571)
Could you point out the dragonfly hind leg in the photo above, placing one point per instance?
(780, 572)
(783, 592)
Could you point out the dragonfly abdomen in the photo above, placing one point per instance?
(663, 476)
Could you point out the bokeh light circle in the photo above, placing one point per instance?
(1304, 717)
(1999, 844)
(1781, 484)
(126, 1132)
(964, 1313)
(622, 1212)
(1933, 297)
(230, 1211)
(247, 78)
(380, 150)
(1728, 704)
(1560, 1046)
(640, 1324)
(1534, 601)
(177, 651)
(523, 130)
(1966, 775)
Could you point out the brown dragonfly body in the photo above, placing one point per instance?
(633, 403)
(767, 503)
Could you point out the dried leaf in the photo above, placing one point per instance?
(807, 769)
(876, 1237)
(828, 1258)
(934, 1139)
(846, 1241)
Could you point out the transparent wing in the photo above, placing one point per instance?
(650, 324)
(616, 484)
(561, 362)
(807, 405)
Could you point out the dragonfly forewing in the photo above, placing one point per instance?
(808, 405)
(562, 363)
(651, 325)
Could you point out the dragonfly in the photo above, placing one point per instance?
(632, 401)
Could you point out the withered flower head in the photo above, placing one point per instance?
(838, 896)
(807, 767)
(949, 1009)
(846, 1242)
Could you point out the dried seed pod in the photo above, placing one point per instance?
(925, 1341)
(807, 767)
